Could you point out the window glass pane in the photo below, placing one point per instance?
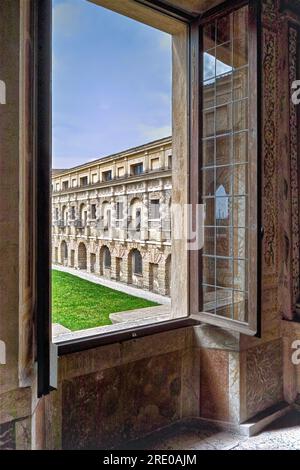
(223, 241)
(209, 33)
(223, 119)
(209, 270)
(209, 152)
(209, 65)
(224, 29)
(225, 152)
(209, 182)
(209, 241)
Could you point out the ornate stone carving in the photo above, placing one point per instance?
(293, 56)
(269, 149)
(264, 377)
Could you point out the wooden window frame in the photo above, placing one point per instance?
(252, 327)
(185, 30)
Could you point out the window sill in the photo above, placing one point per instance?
(87, 339)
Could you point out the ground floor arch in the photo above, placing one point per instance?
(82, 256)
(64, 253)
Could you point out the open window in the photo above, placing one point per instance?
(228, 162)
(214, 163)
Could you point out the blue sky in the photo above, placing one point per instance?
(111, 83)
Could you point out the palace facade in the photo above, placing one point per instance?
(112, 216)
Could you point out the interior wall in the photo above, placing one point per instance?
(119, 392)
(123, 391)
(16, 274)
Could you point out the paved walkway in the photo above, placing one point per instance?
(119, 286)
(283, 434)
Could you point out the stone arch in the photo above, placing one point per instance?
(105, 261)
(135, 266)
(82, 256)
(64, 253)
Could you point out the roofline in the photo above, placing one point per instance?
(123, 153)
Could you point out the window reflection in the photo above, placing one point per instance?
(225, 165)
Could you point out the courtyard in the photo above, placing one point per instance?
(78, 304)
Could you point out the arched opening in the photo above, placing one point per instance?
(82, 256)
(105, 261)
(137, 263)
(135, 268)
(64, 253)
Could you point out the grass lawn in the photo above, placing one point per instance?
(78, 304)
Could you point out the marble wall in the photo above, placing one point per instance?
(124, 391)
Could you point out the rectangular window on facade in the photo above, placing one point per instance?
(94, 178)
(57, 186)
(137, 169)
(93, 211)
(229, 170)
(74, 183)
(84, 181)
(154, 164)
(65, 185)
(73, 212)
(154, 210)
(119, 210)
(107, 175)
(121, 172)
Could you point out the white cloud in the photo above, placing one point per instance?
(154, 133)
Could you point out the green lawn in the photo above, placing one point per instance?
(78, 304)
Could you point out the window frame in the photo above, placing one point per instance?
(185, 29)
(252, 327)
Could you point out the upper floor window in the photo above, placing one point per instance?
(57, 187)
(65, 185)
(137, 169)
(84, 181)
(154, 164)
(94, 178)
(107, 175)
(154, 210)
(74, 182)
(93, 211)
(121, 172)
(119, 210)
(72, 212)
